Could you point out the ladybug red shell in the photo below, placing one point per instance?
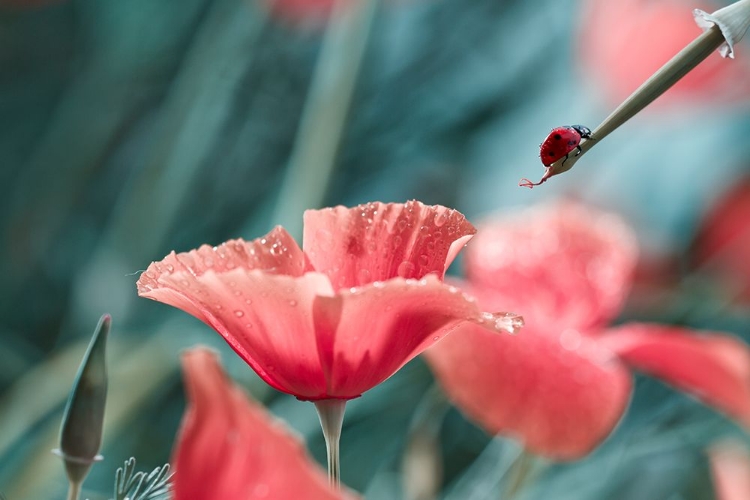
(561, 141)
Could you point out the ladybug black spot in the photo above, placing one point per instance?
(551, 153)
(557, 137)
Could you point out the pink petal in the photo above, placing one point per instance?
(556, 391)
(730, 468)
(229, 448)
(713, 367)
(367, 334)
(723, 242)
(562, 263)
(379, 241)
(276, 253)
(265, 318)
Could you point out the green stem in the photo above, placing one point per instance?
(74, 490)
(521, 473)
(331, 414)
(324, 117)
(661, 81)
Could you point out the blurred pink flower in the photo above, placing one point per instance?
(339, 317)
(723, 242)
(730, 468)
(562, 385)
(228, 447)
(623, 43)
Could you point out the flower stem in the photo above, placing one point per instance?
(661, 81)
(74, 490)
(331, 414)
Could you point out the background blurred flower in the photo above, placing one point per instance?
(296, 317)
(722, 245)
(562, 385)
(730, 468)
(228, 447)
(623, 43)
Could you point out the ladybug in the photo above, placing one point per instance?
(561, 141)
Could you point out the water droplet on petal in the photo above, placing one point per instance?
(406, 269)
(293, 303)
(364, 276)
(239, 313)
(570, 339)
(435, 339)
(424, 259)
(441, 218)
(248, 301)
(507, 322)
(170, 268)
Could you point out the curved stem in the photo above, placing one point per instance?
(331, 414)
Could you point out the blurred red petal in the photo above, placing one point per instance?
(562, 263)
(375, 330)
(379, 241)
(713, 367)
(230, 448)
(623, 43)
(723, 242)
(730, 468)
(556, 391)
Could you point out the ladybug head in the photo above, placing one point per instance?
(584, 131)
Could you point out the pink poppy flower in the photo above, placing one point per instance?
(228, 447)
(330, 320)
(562, 385)
(723, 242)
(730, 468)
(623, 43)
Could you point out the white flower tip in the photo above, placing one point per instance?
(733, 21)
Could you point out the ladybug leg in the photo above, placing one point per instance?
(579, 150)
(566, 159)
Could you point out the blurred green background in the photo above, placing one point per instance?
(129, 129)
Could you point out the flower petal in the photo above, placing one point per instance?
(265, 318)
(560, 394)
(229, 448)
(367, 334)
(563, 263)
(713, 367)
(379, 241)
(730, 468)
(276, 252)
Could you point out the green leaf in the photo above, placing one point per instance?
(131, 485)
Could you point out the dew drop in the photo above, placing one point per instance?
(293, 303)
(424, 259)
(232, 283)
(435, 339)
(364, 276)
(401, 225)
(248, 301)
(237, 293)
(239, 313)
(570, 339)
(441, 218)
(507, 322)
(170, 268)
(406, 269)
(208, 262)
(185, 283)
